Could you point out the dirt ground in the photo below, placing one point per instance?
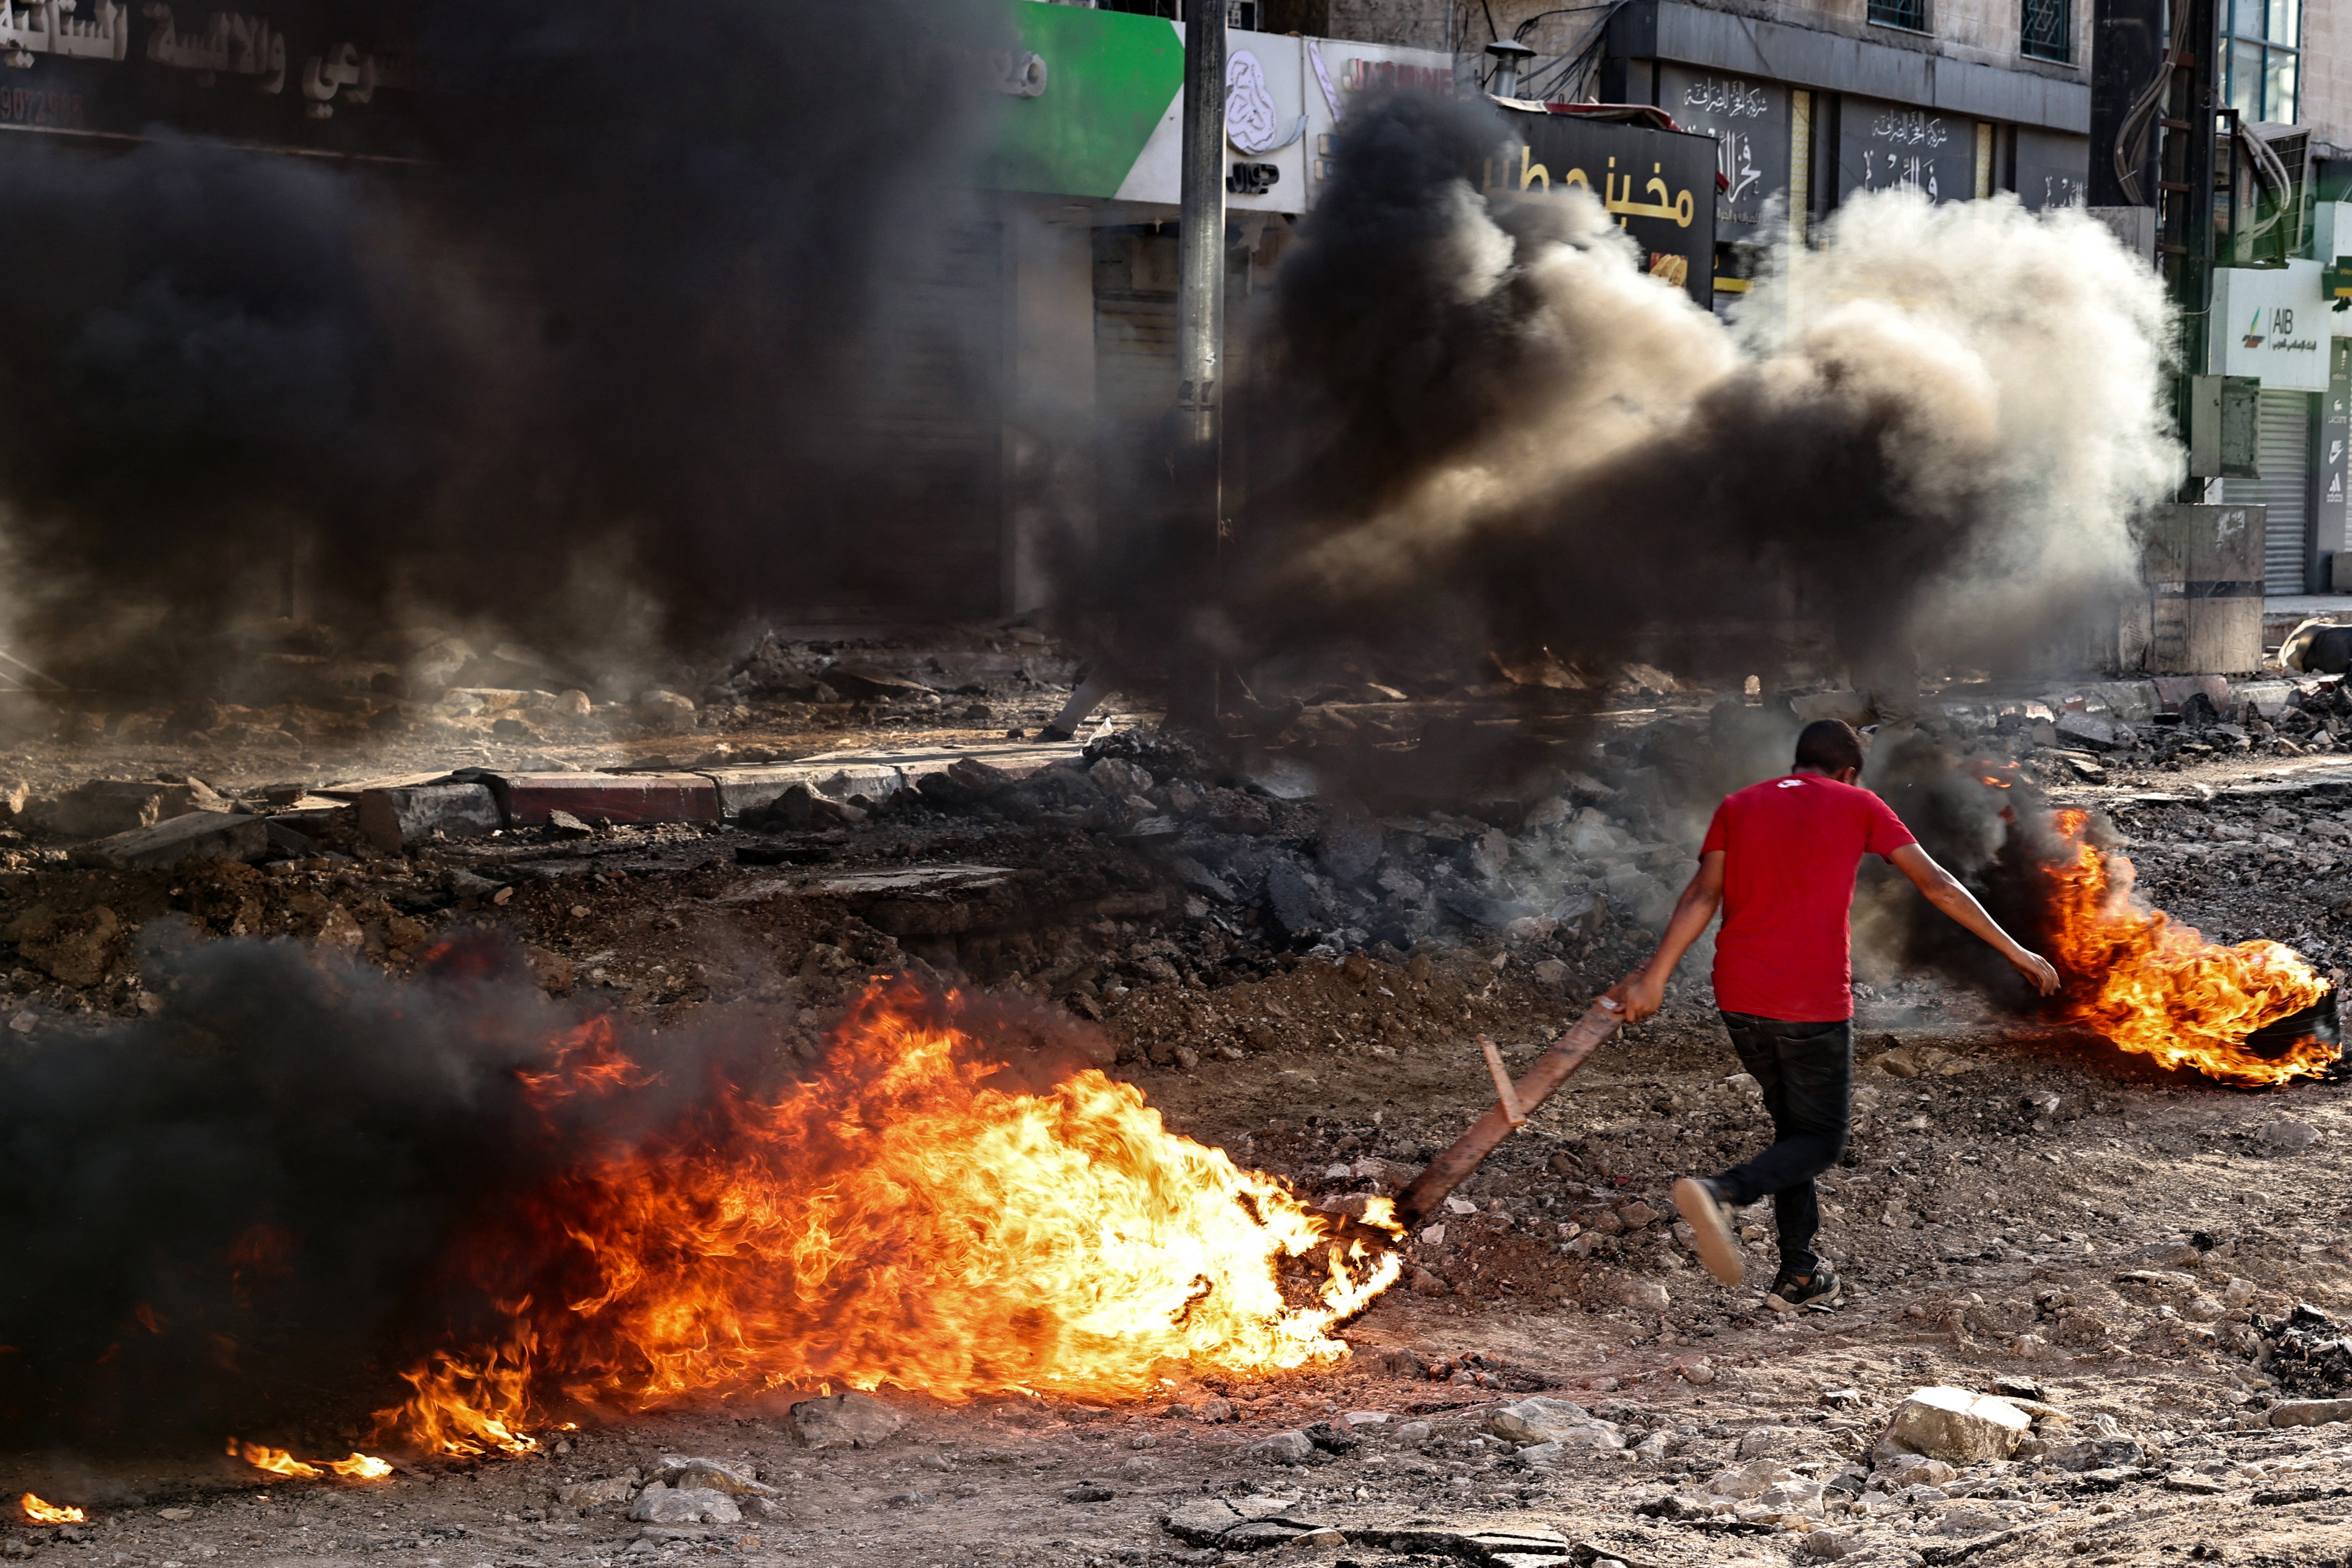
(2019, 1202)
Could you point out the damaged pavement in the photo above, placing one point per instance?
(2095, 1311)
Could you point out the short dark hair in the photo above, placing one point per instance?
(1828, 746)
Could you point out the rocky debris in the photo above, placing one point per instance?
(660, 1504)
(848, 1419)
(2310, 1411)
(1954, 1426)
(686, 1473)
(2307, 1351)
(198, 835)
(1284, 1449)
(103, 808)
(665, 712)
(1553, 1422)
(75, 949)
(598, 1492)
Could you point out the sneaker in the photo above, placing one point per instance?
(1703, 1209)
(1817, 1292)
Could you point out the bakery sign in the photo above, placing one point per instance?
(2271, 323)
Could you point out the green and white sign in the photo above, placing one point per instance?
(1097, 108)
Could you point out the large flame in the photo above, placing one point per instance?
(911, 1216)
(39, 1512)
(2158, 987)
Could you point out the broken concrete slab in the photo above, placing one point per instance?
(198, 835)
(106, 806)
(525, 799)
(393, 819)
(743, 791)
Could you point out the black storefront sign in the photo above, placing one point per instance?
(1658, 186)
(1749, 123)
(286, 77)
(1884, 146)
(2052, 169)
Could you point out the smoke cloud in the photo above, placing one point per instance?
(1931, 431)
(609, 355)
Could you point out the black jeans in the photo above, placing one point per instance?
(1806, 1071)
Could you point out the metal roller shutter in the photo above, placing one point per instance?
(1135, 368)
(2284, 445)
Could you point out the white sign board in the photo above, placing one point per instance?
(1285, 98)
(2271, 323)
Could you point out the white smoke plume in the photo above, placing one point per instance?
(1932, 430)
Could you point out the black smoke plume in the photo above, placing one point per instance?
(613, 354)
(1480, 424)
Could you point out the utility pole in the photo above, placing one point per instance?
(1198, 514)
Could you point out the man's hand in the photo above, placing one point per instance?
(2036, 969)
(1638, 995)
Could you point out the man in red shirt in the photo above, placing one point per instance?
(1779, 861)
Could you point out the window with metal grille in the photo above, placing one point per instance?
(1911, 14)
(2049, 30)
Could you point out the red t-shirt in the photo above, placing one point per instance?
(1791, 849)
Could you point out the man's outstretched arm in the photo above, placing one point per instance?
(1644, 992)
(1943, 890)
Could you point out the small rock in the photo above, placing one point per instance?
(572, 705)
(1749, 1479)
(1827, 1545)
(848, 1419)
(2310, 1411)
(1553, 973)
(1644, 1295)
(726, 1475)
(2286, 1135)
(694, 1505)
(665, 710)
(1758, 1441)
(1535, 1420)
(1088, 1491)
(591, 1494)
(1954, 1425)
(1284, 1449)
(563, 825)
(1412, 1433)
(1425, 1283)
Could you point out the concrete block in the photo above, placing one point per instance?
(198, 835)
(393, 819)
(1954, 1426)
(2133, 701)
(2269, 698)
(744, 790)
(526, 798)
(2173, 692)
(2093, 730)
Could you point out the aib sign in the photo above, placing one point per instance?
(2271, 323)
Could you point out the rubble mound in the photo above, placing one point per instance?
(2309, 1352)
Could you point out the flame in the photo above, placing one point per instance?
(909, 1218)
(279, 1462)
(2158, 988)
(40, 1513)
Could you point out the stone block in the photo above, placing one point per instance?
(1954, 1426)
(395, 819)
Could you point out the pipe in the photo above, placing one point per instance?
(1552, 1070)
(1199, 510)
